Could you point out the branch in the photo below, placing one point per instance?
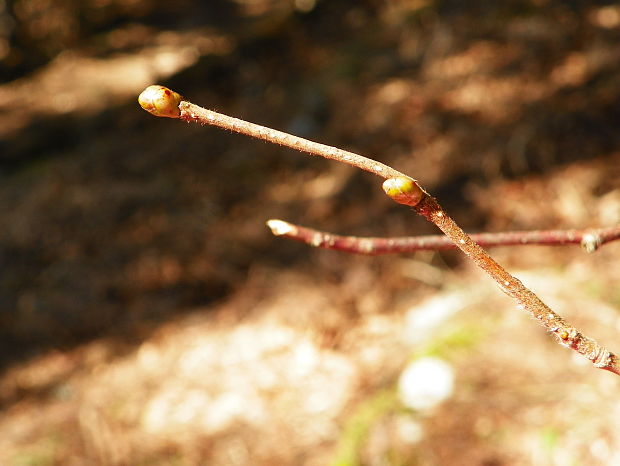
(161, 101)
(590, 240)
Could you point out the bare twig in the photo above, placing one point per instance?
(564, 332)
(590, 239)
(161, 101)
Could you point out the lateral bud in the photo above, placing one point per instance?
(403, 190)
(160, 101)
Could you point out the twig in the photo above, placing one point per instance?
(590, 239)
(161, 101)
(564, 332)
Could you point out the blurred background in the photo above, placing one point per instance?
(147, 315)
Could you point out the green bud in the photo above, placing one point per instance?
(160, 101)
(403, 190)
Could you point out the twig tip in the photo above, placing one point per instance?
(280, 227)
(160, 101)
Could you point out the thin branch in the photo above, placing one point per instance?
(161, 101)
(565, 333)
(590, 239)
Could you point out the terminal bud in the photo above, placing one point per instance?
(160, 101)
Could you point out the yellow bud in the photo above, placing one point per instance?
(160, 101)
(403, 190)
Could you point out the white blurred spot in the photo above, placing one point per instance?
(425, 383)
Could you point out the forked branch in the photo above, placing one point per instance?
(161, 101)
